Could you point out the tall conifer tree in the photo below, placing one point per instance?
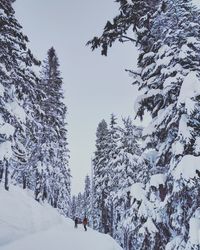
(18, 91)
(54, 171)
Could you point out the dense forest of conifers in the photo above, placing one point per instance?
(145, 182)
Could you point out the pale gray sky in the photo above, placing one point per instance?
(95, 86)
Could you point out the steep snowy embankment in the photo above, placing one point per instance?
(26, 224)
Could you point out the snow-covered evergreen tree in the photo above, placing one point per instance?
(82, 203)
(121, 169)
(111, 183)
(18, 92)
(73, 207)
(80, 209)
(127, 171)
(100, 178)
(171, 96)
(53, 170)
(33, 135)
(167, 34)
(88, 199)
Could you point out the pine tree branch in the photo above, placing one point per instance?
(128, 39)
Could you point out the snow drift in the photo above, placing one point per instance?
(26, 224)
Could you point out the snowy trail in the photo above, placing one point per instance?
(27, 225)
(64, 237)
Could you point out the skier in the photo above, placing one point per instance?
(76, 222)
(85, 222)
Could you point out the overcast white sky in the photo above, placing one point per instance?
(95, 86)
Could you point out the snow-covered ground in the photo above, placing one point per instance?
(28, 225)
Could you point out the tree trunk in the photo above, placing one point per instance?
(6, 177)
(1, 174)
(111, 220)
(24, 181)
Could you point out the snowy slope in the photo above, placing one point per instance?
(28, 225)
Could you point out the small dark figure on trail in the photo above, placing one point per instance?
(76, 222)
(85, 222)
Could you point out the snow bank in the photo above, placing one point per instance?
(65, 237)
(187, 167)
(27, 225)
(21, 215)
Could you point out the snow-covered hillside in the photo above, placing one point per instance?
(26, 224)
